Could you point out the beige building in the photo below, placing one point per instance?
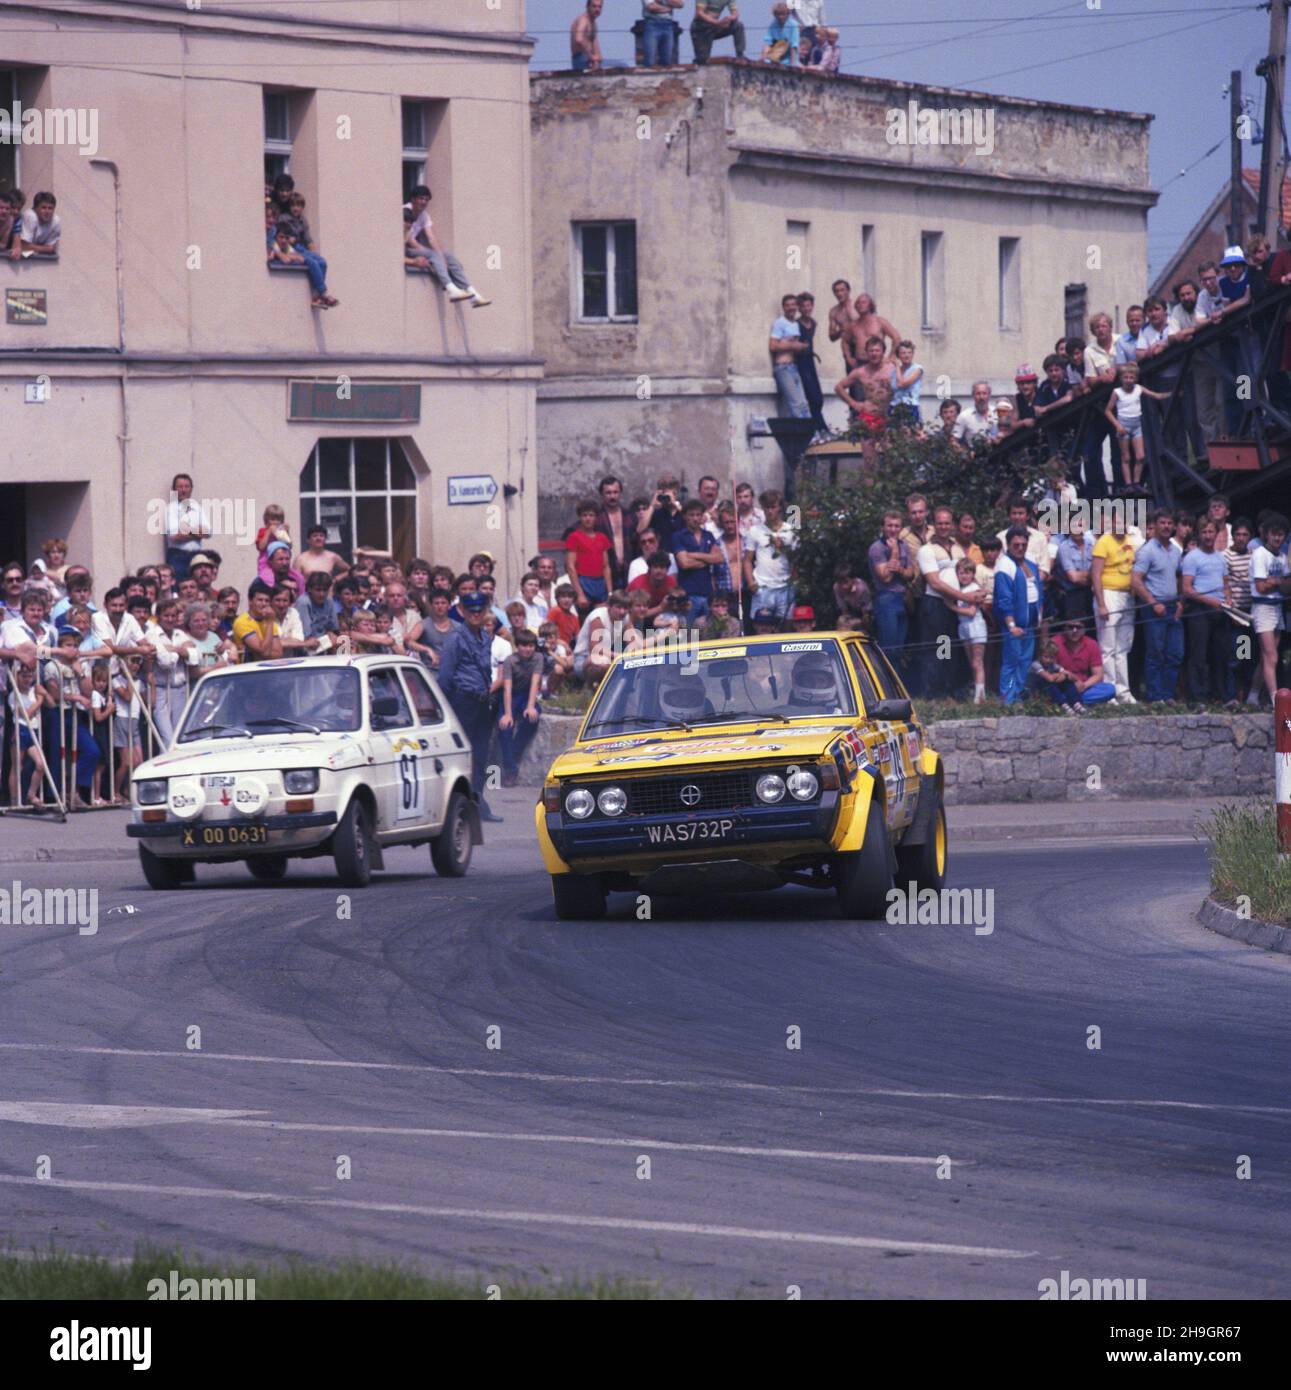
(160, 341)
(672, 208)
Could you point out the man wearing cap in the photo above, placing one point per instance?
(1235, 291)
(1025, 380)
(803, 618)
(202, 569)
(465, 676)
(279, 556)
(765, 622)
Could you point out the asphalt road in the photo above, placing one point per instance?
(662, 1039)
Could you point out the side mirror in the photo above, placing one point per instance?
(898, 710)
(385, 710)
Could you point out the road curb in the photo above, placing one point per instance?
(1224, 920)
(1084, 830)
(58, 856)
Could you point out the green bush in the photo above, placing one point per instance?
(840, 521)
(1244, 861)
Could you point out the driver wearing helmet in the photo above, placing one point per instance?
(814, 688)
(681, 699)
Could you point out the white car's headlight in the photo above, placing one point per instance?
(301, 781)
(803, 785)
(151, 793)
(580, 803)
(770, 787)
(613, 801)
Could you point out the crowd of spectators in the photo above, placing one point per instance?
(1193, 610)
(796, 35)
(119, 659)
(882, 384)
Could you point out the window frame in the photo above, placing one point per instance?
(418, 155)
(1010, 284)
(393, 673)
(611, 227)
(316, 493)
(276, 147)
(411, 675)
(932, 281)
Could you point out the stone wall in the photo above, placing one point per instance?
(1025, 758)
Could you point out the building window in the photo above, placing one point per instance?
(606, 271)
(365, 492)
(1075, 310)
(869, 276)
(797, 251)
(933, 280)
(416, 146)
(9, 169)
(277, 134)
(1010, 283)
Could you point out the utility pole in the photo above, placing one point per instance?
(1235, 190)
(1273, 161)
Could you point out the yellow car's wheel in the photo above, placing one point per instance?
(925, 865)
(864, 879)
(578, 898)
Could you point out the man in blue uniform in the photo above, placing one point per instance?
(465, 675)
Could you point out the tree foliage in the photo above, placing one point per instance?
(840, 520)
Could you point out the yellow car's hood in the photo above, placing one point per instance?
(725, 743)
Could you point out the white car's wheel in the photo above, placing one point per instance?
(352, 846)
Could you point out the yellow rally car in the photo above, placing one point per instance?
(746, 764)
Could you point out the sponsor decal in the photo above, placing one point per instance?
(693, 749)
(716, 653)
(632, 662)
(802, 647)
(912, 746)
(614, 744)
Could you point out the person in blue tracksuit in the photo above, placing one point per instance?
(1017, 609)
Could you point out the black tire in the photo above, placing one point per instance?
(450, 850)
(578, 898)
(163, 874)
(925, 865)
(863, 879)
(352, 847)
(268, 868)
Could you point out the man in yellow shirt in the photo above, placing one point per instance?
(1114, 605)
(255, 633)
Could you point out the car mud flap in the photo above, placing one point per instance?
(917, 831)
(719, 876)
(473, 820)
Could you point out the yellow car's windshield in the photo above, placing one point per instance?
(680, 687)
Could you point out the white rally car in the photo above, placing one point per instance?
(293, 759)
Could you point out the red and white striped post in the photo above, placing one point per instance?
(1282, 769)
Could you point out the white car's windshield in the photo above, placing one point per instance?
(296, 699)
(683, 687)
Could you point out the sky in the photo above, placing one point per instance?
(1170, 58)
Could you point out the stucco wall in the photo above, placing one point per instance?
(762, 147)
(178, 94)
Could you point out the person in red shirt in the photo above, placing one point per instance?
(656, 583)
(587, 559)
(1080, 657)
(563, 615)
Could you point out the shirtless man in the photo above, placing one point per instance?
(855, 386)
(841, 317)
(317, 559)
(870, 324)
(584, 44)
